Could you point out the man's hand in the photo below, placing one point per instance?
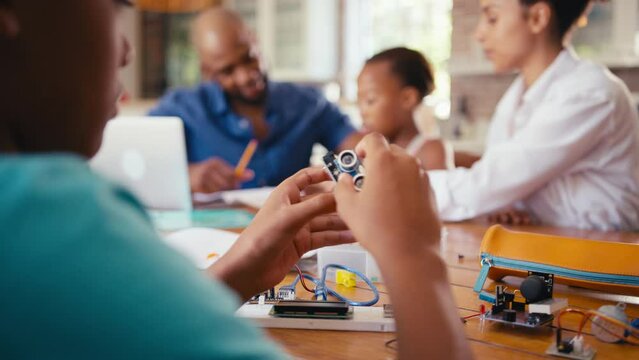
(214, 175)
(288, 226)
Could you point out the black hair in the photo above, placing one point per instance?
(410, 66)
(567, 12)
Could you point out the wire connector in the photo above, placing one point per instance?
(286, 293)
(320, 292)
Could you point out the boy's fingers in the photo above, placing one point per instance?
(345, 193)
(397, 149)
(371, 143)
(306, 177)
(313, 196)
(303, 212)
(328, 222)
(330, 238)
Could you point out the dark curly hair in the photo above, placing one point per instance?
(410, 66)
(567, 12)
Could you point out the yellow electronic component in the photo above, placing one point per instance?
(346, 278)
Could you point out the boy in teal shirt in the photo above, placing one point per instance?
(84, 275)
(79, 256)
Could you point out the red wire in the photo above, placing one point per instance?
(482, 311)
(471, 316)
(587, 316)
(299, 271)
(584, 318)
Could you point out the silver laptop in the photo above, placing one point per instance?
(148, 156)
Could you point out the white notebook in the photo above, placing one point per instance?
(203, 246)
(251, 197)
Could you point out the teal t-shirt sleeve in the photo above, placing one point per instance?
(84, 275)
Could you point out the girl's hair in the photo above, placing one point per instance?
(410, 66)
(567, 12)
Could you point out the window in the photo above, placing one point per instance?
(183, 67)
(611, 35)
(169, 59)
(298, 38)
(423, 25)
(343, 35)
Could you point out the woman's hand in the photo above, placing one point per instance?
(289, 225)
(510, 217)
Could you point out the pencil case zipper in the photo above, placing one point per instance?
(488, 261)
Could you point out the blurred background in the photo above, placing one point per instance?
(324, 43)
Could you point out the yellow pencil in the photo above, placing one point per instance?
(246, 158)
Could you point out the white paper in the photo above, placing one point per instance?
(203, 246)
(208, 198)
(251, 197)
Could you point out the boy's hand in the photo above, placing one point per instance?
(288, 226)
(393, 216)
(394, 211)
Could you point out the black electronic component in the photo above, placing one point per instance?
(535, 319)
(522, 319)
(537, 287)
(571, 349)
(286, 293)
(358, 181)
(312, 309)
(509, 315)
(270, 297)
(347, 160)
(565, 347)
(518, 306)
(500, 299)
(507, 309)
(345, 163)
(388, 310)
(503, 299)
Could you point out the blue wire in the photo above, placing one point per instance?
(322, 291)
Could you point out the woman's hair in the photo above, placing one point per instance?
(410, 66)
(567, 12)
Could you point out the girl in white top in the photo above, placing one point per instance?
(391, 88)
(563, 143)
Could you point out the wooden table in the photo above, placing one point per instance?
(490, 341)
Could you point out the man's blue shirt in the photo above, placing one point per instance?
(298, 117)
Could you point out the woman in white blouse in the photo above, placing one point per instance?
(563, 144)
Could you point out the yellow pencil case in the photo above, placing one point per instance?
(600, 265)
